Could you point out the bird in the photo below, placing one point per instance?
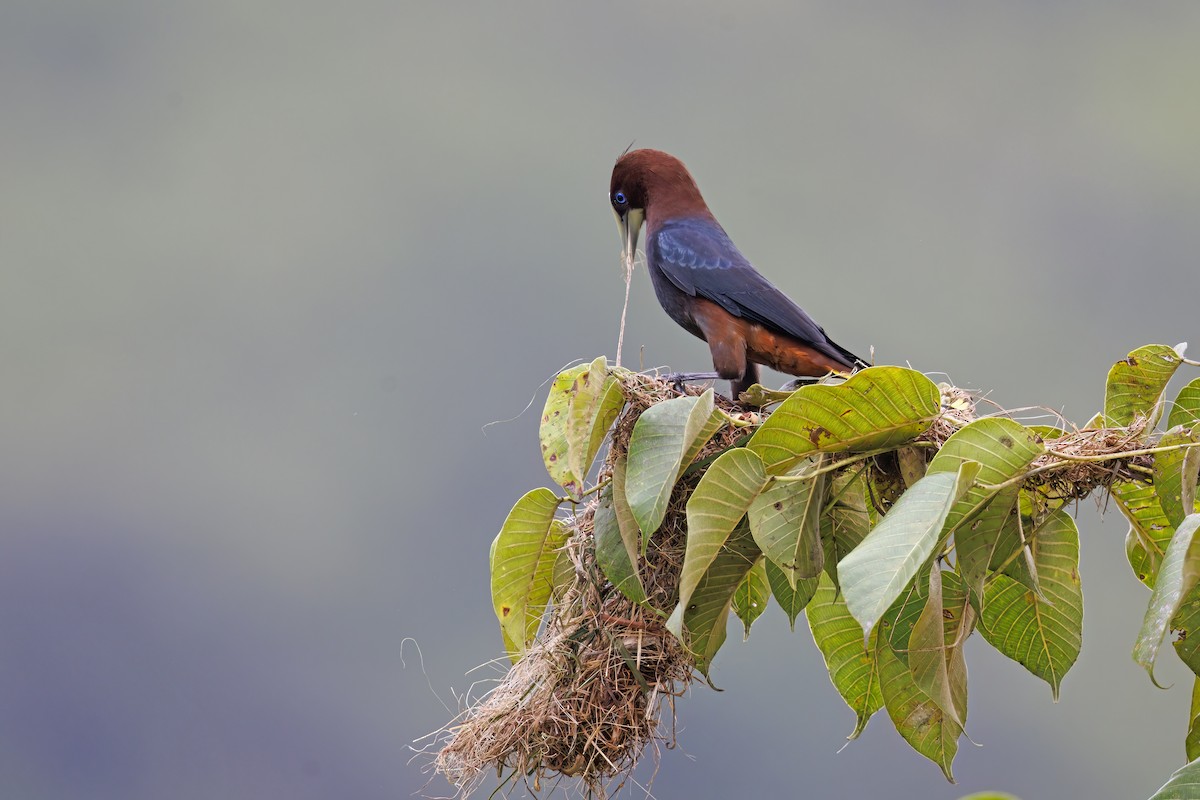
(707, 286)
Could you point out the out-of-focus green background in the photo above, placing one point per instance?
(266, 271)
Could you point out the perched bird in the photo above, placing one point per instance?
(706, 285)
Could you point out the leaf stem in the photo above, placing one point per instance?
(845, 462)
(600, 485)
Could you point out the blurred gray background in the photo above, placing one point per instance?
(266, 271)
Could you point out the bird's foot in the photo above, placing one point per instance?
(796, 383)
(678, 379)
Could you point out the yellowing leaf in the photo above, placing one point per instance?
(1136, 383)
(596, 400)
(522, 566)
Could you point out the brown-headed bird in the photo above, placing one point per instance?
(706, 285)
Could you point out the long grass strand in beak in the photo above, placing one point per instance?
(629, 225)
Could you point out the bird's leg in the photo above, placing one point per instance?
(748, 379)
(678, 379)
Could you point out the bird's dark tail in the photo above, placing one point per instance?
(852, 361)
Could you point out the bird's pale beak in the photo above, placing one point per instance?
(629, 225)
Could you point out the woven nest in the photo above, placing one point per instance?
(587, 697)
(589, 694)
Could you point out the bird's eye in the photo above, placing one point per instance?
(619, 198)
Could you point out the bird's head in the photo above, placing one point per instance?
(650, 185)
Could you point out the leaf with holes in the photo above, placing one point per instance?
(1177, 576)
(1136, 384)
(791, 599)
(851, 662)
(785, 519)
(879, 407)
(666, 437)
(553, 431)
(751, 596)
(596, 400)
(876, 572)
(1044, 636)
(522, 566)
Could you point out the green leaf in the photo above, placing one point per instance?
(595, 403)
(847, 519)
(926, 728)
(1183, 785)
(714, 510)
(751, 596)
(666, 437)
(1003, 449)
(912, 463)
(759, 396)
(1175, 473)
(1136, 383)
(1185, 410)
(522, 566)
(1192, 742)
(1043, 635)
(1149, 529)
(1185, 625)
(553, 431)
(1176, 578)
(898, 621)
(851, 663)
(700, 626)
(879, 407)
(877, 571)
(935, 646)
(1013, 554)
(625, 518)
(791, 599)
(616, 549)
(562, 576)
(785, 519)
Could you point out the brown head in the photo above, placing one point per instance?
(651, 186)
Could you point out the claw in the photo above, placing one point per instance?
(678, 379)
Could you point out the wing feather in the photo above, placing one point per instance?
(698, 257)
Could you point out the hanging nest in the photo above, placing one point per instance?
(590, 693)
